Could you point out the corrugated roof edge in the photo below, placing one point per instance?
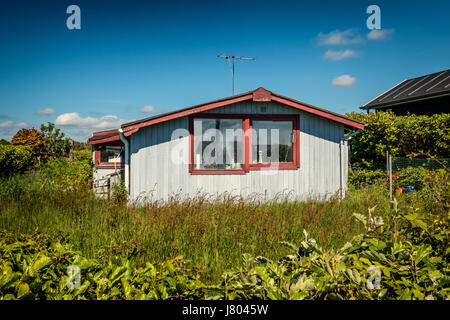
(403, 101)
(371, 105)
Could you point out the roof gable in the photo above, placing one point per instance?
(259, 94)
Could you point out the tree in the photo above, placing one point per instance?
(31, 138)
(56, 145)
(4, 142)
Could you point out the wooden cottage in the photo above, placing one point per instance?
(255, 144)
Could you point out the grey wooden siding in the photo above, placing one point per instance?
(154, 176)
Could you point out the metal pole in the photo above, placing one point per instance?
(390, 177)
(233, 58)
(233, 75)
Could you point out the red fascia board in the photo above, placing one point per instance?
(104, 140)
(101, 133)
(320, 113)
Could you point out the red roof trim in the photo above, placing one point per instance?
(318, 112)
(104, 140)
(105, 132)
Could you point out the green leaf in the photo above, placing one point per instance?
(421, 253)
(419, 295)
(23, 290)
(41, 263)
(126, 288)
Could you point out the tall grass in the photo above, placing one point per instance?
(213, 235)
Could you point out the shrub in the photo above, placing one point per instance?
(405, 258)
(62, 172)
(363, 177)
(400, 135)
(120, 192)
(37, 267)
(415, 176)
(15, 159)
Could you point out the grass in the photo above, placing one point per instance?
(212, 235)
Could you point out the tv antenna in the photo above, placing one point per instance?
(232, 58)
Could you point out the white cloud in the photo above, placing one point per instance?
(340, 55)
(9, 128)
(379, 34)
(80, 129)
(147, 109)
(344, 80)
(73, 119)
(13, 125)
(45, 112)
(337, 37)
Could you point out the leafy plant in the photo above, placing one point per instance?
(69, 174)
(400, 135)
(15, 159)
(120, 192)
(363, 177)
(56, 144)
(37, 267)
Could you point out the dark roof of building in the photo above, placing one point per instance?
(424, 87)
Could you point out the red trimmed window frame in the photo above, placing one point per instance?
(106, 165)
(247, 148)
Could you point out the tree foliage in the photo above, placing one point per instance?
(69, 174)
(15, 159)
(400, 135)
(29, 137)
(56, 144)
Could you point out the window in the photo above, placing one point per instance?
(109, 156)
(111, 153)
(272, 141)
(237, 143)
(218, 144)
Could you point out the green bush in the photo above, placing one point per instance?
(120, 192)
(363, 177)
(62, 172)
(15, 159)
(400, 135)
(37, 267)
(409, 255)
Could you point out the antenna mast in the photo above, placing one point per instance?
(233, 58)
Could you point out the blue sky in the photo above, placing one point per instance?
(134, 59)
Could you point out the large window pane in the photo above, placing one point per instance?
(111, 154)
(272, 141)
(218, 144)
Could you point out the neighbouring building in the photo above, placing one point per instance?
(255, 144)
(425, 95)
